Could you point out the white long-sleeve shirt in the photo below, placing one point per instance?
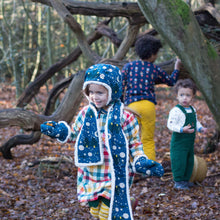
(176, 120)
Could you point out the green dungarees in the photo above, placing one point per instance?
(182, 149)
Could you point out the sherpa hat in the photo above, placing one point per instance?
(106, 75)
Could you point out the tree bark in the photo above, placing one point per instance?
(174, 20)
(129, 10)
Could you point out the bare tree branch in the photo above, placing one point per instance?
(34, 87)
(76, 28)
(127, 42)
(209, 8)
(129, 10)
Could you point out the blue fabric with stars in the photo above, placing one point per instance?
(55, 130)
(148, 167)
(89, 149)
(107, 75)
(120, 154)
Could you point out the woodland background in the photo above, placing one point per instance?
(34, 42)
(48, 191)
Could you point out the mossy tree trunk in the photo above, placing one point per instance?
(174, 20)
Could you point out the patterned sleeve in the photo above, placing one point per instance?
(77, 125)
(124, 72)
(165, 78)
(176, 120)
(124, 80)
(131, 129)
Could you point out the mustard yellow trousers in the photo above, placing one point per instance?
(147, 112)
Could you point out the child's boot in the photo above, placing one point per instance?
(191, 184)
(181, 185)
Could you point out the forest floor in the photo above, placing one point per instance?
(48, 192)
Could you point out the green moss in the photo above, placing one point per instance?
(182, 9)
(211, 51)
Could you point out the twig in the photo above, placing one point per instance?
(52, 160)
(5, 193)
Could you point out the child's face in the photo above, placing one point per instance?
(185, 96)
(98, 94)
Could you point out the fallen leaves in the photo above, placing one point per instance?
(48, 192)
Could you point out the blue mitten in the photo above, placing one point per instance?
(157, 170)
(148, 167)
(55, 130)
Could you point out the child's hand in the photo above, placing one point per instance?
(148, 167)
(188, 129)
(48, 128)
(55, 130)
(178, 64)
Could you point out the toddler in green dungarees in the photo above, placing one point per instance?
(183, 123)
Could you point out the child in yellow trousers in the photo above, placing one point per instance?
(139, 78)
(146, 110)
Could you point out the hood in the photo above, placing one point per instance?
(106, 75)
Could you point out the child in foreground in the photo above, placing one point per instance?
(108, 150)
(139, 78)
(183, 123)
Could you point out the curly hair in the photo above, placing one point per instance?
(185, 83)
(146, 46)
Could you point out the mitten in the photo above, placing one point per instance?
(55, 130)
(148, 167)
(157, 170)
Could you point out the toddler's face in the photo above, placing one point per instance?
(98, 94)
(185, 96)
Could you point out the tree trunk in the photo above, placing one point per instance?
(174, 20)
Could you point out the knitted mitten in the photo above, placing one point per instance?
(148, 167)
(55, 130)
(157, 170)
